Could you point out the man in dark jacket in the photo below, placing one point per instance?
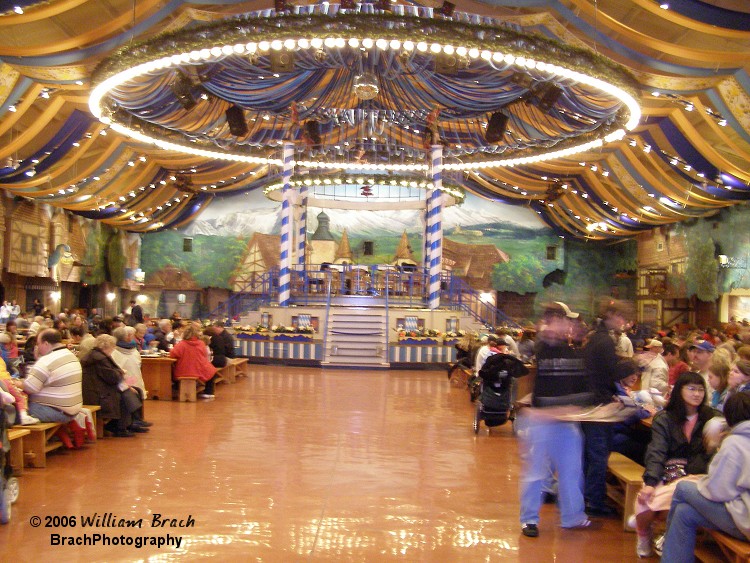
(160, 334)
(600, 360)
(222, 345)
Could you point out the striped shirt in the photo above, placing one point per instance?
(55, 381)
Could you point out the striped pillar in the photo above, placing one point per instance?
(285, 263)
(435, 227)
(302, 229)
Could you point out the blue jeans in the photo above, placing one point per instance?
(598, 443)
(551, 446)
(690, 510)
(47, 414)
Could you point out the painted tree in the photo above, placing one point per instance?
(522, 274)
(702, 268)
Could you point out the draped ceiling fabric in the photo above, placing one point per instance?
(689, 156)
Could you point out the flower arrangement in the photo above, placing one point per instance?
(281, 329)
(417, 333)
(252, 329)
(455, 334)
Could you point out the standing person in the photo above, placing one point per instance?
(15, 310)
(623, 345)
(38, 308)
(721, 499)
(550, 444)
(600, 360)
(136, 312)
(4, 312)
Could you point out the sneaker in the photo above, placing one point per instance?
(206, 396)
(28, 419)
(643, 546)
(530, 530)
(143, 423)
(585, 524)
(659, 544)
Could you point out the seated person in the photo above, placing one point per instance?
(104, 385)
(629, 438)
(192, 360)
(676, 452)
(53, 385)
(82, 341)
(128, 357)
(20, 399)
(721, 499)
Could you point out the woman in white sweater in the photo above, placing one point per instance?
(721, 499)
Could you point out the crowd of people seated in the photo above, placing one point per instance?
(681, 380)
(52, 365)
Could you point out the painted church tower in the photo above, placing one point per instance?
(322, 244)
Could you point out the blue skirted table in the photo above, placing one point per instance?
(421, 350)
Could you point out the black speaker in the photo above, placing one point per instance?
(348, 5)
(187, 244)
(236, 121)
(368, 248)
(312, 131)
(447, 9)
(548, 97)
(281, 61)
(496, 127)
(181, 88)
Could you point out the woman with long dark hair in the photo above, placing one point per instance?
(676, 452)
(721, 499)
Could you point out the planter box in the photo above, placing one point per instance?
(252, 336)
(450, 341)
(293, 338)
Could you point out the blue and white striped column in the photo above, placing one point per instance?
(285, 263)
(302, 229)
(435, 227)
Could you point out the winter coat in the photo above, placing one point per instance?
(129, 359)
(101, 377)
(668, 442)
(192, 360)
(222, 345)
(728, 479)
(498, 367)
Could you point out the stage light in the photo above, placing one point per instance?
(181, 88)
(236, 121)
(496, 127)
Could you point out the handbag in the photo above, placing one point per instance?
(674, 469)
(131, 401)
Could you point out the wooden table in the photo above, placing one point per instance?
(157, 376)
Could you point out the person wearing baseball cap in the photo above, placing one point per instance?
(704, 351)
(549, 444)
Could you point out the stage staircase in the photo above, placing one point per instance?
(357, 338)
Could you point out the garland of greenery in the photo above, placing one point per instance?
(250, 28)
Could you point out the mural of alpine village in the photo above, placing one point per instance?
(493, 246)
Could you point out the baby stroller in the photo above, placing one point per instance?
(495, 388)
(8, 484)
(493, 404)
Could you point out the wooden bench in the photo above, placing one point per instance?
(15, 437)
(188, 389)
(241, 366)
(98, 420)
(37, 444)
(716, 546)
(626, 479)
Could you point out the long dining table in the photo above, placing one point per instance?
(157, 376)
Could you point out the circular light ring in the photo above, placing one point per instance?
(454, 190)
(224, 38)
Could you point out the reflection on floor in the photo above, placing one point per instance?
(298, 464)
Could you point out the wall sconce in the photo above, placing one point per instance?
(111, 297)
(55, 296)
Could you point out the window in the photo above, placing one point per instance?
(181, 298)
(659, 246)
(551, 253)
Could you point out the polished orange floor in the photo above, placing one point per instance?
(298, 464)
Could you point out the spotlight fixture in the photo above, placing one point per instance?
(281, 61)
(282, 6)
(548, 96)
(496, 127)
(311, 132)
(348, 5)
(181, 88)
(236, 121)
